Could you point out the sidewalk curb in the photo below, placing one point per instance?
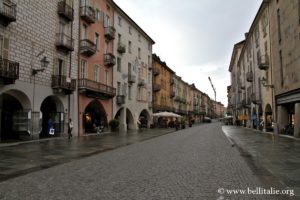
(271, 133)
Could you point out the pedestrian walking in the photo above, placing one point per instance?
(70, 128)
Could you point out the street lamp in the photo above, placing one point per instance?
(263, 80)
(44, 64)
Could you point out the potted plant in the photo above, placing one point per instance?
(114, 124)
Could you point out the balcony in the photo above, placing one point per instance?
(121, 48)
(109, 59)
(141, 82)
(109, 32)
(156, 87)
(180, 99)
(8, 12)
(65, 10)
(156, 71)
(63, 84)
(87, 47)
(64, 42)
(9, 71)
(131, 78)
(96, 90)
(172, 81)
(255, 99)
(172, 94)
(120, 99)
(263, 62)
(87, 13)
(249, 76)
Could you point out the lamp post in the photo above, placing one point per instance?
(44, 64)
(263, 81)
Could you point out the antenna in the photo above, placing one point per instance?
(215, 108)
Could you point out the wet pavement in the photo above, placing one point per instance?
(280, 156)
(25, 157)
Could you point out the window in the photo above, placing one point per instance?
(4, 47)
(119, 38)
(84, 34)
(139, 36)
(129, 30)
(257, 36)
(149, 64)
(278, 26)
(118, 88)
(58, 67)
(118, 64)
(120, 21)
(106, 77)
(83, 69)
(98, 15)
(106, 21)
(96, 73)
(129, 92)
(106, 47)
(139, 53)
(96, 40)
(149, 77)
(129, 46)
(129, 68)
(281, 68)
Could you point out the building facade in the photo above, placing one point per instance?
(269, 63)
(162, 86)
(38, 67)
(96, 63)
(284, 31)
(133, 74)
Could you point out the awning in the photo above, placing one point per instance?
(166, 114)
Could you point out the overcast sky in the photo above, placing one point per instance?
(195, 37)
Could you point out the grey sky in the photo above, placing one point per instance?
(195, 37)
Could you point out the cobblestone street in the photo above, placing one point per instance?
(194, 163)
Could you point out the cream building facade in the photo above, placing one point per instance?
(33, 36)
(133, 73)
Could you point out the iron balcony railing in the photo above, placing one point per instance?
(8, 12)
(87, 47)
(120, 99)
(65, 10)
(9, 71)
(63, 82)
(131, 78)
(141, 82)
(87, 13)
(156, 71)
(263, 62)
(94, 88)
(249, 78)
(110, 32)
(172, 81)
(121, 47)
(156, 87)
(109, 59)
(64, 42)
(172, 94)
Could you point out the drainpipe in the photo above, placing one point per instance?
(70, 67)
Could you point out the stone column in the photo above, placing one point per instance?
(297, 120)
(123, 125)
(283, 118)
